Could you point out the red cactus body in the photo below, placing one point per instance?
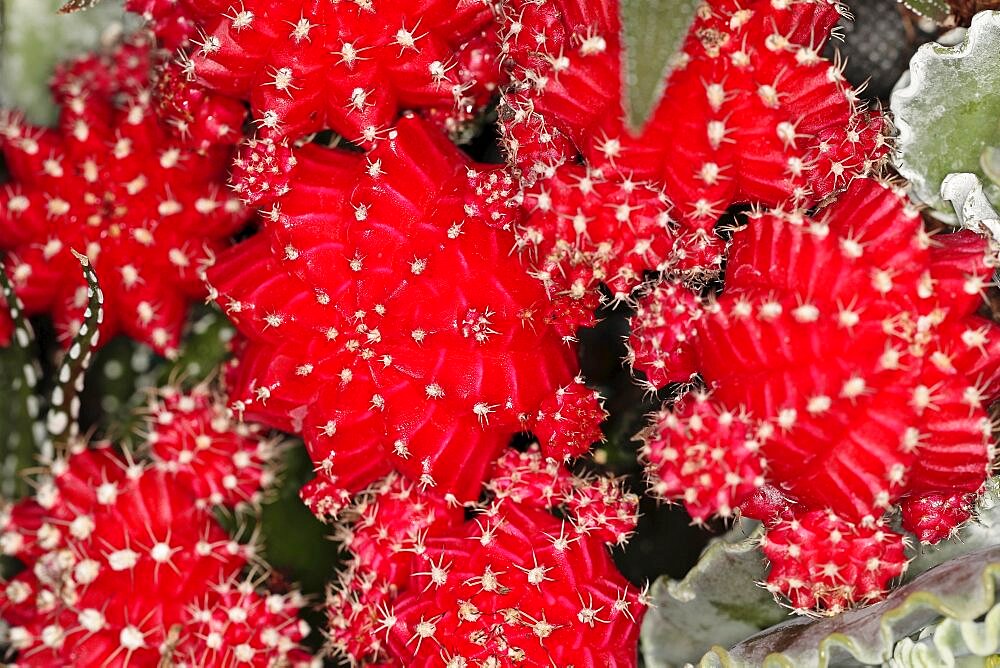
(110, 183)
(569, 421)
(513, 585)
(193, 438)
(709, 458)
(350, 66)
(664, 327)
(382, 531)
(820, 560)
(127, 562)
(855, 338)
(594, 228)
(749, 113)
(386, 321)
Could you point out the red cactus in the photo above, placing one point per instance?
(527, 477)
(110, 183)
(387, 525)
(193, 438)
(352, 66)
(515, 584)
(127, 565)
(708, 457)
(664, 327)
(750, 112)
(615, 228)
(854, 338)
(820, 560)
(386, 321)
(569, 422)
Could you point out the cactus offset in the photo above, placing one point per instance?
(513, 584)
(193, 438)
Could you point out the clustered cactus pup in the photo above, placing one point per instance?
(411, 213)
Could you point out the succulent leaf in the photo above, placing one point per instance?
(962, 590)
(19, 432)
(717, 602)
(654, 33)
(947, 110)
(64, 403)
(972, 206)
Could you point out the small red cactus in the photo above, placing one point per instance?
(706, 456)
(855, 337)
(112, 184)
(513, 585)
(130, 570)
(749, 112)
(386, 321)
(936, 516)
(193, 438)
(194, 115)
(569, 422)
(822, 561)
(352, 67)
(664, 327)
(612, 229)
(527, 477)
(387, 525)
(516, 586)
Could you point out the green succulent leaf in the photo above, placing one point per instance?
(19, 371)
(653, 33)
(62, 421)
(962, 590)
(949, 642)
(718, 602)
(35, 37)
(972, 207)
(935, 10)
(947, 110)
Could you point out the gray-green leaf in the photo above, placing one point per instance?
(963, 590)
(653, 33)
(947, 110)
(718, 602)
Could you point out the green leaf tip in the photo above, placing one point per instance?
(64, 403)
(653, 32)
